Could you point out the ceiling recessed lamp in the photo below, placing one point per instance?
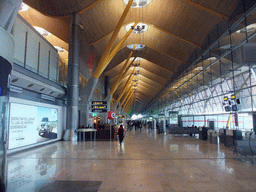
(138, 3)
(42, 31)
(211, 59)
(198, 68)
(139, 28)
(137, 48)
(60, 49)
(137, 59)
(248, 29)
(228, 46)
(24, 7)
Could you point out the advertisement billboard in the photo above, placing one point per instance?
(31, 124)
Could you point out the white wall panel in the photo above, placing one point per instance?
(32, 51)
(19, 36)
(44, 59)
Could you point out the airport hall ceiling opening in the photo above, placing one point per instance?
(167, 42)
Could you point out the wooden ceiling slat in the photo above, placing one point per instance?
(90, 6)
(206, 9)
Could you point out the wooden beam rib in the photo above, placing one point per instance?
(206, 9)
(156, 27)
(90, 6)
(181, 39)
(164, 54)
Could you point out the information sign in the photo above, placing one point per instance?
(99, 106)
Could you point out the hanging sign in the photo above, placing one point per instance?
(111, 115)
(99, 106)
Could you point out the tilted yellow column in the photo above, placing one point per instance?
(129, 104)
(126, 85)
(127, 95)
(130, 100)
(127, 100)
(123, 71)
(229, 120)
(102, 63)
(118, 46)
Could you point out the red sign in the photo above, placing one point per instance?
(111, 115)
(91, 62)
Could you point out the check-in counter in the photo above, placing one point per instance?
(232, 136)
(86, 134)
(222, 135)
(209, 135)
(214, 137)
(203, 133)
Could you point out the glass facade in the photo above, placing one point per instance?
(226, 68)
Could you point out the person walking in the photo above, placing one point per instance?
(121, 134)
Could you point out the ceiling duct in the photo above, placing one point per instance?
(15, 89)
(47, 97)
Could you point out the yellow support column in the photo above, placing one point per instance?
(118, 46)
(126, 85)
(130, 100)
(229, 120)
(127, 95)
(127, 100)
(129, 104)
(102, 63)
(123, 71)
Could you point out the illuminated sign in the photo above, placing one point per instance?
(94, 114)
(99, 102)
(225, 98)
(99, 107)
(233, 97)
(99, 110)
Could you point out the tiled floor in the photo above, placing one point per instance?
(146, 162)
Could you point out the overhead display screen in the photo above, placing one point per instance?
(31, 124)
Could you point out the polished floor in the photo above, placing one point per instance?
(145, 162)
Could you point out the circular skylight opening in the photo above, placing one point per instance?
(137, 59)
(138, 3)
(139, 28)
(23, 7)
(138, 47)
(42, 31)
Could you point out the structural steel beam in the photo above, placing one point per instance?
(102, 63)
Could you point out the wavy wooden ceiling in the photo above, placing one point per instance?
(176, 29)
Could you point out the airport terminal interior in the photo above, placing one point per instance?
(178, 75)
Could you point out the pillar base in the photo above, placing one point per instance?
(70, 135)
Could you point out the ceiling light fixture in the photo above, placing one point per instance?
(137, 48)
(248, 29)
(138, 3)
(139, 28)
